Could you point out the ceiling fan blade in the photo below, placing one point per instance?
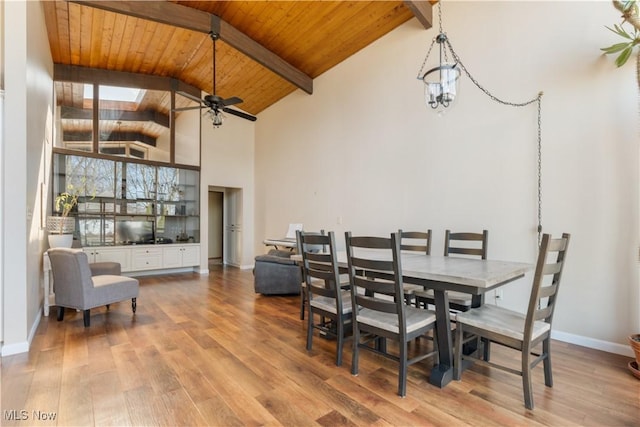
(191, 97)
(231, 101)
(240, 114)
(189, 108)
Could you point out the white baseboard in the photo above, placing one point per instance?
(17, 348)
(239, 266)
(203, 271)
(610, 347)
(23, 347)
(143, 273)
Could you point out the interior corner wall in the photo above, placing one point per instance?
(29, 122)
(2, 139)
(364, 153)
(14, 181)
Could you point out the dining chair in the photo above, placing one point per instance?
(522, 332)
(326, 297)
(303, 284)
(414, 241)
(465, 244)
(379, 309)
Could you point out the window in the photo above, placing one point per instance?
(132, 122)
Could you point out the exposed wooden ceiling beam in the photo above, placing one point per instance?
(125, 116)
(75, 73)
(423, 10)
(197, 20)
(86, 136)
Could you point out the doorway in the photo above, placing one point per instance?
(225, 226)
(216, 218)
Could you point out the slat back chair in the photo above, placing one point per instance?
(467, 244)
(379, 310)
(453, 243)
(303, 288)
(414, 241)
(516, 330)
(325, 297)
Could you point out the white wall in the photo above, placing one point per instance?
(228, 162)
(364, 154)
(29, 123)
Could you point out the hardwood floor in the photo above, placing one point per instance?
(206, 350)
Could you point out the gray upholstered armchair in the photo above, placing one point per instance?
(276, 273)
(76, 288)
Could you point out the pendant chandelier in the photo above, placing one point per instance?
(440, 81)
(441, 90)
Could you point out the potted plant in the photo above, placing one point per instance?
(61, 227)
(629, 30)
(634, 365)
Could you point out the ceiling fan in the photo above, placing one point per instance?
(216, 104)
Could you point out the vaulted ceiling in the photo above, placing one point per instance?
(267, 49)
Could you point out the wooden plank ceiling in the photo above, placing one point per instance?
(308, 36)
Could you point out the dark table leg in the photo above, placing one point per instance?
(442, 373)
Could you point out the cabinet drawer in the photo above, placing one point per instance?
(146, 259)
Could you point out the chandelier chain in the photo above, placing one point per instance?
(539, 168)
(479, 86)
(420, 75)
(441, 38)
(538, 100)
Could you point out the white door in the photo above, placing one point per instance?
(233, 226)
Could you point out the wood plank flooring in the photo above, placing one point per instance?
(206, 350)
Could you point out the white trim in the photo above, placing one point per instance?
(11, 349)
(140, 273)
(204, 271)
(610, 347)
(23, 347)
(2, 323)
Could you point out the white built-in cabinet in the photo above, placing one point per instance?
(175, 256)
(120, 255)
(147, 257)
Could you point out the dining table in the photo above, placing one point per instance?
(442, 274)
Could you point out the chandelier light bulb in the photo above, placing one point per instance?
(441, 85)
(216, 118)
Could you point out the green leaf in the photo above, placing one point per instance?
(619, 31)
(615, 48)
(624, 56)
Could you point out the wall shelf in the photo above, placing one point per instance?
(121, 202)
